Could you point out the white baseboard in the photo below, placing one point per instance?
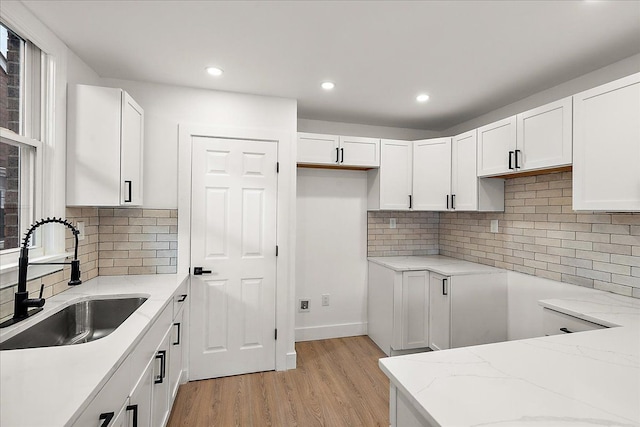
(292, 360)
(313, 333)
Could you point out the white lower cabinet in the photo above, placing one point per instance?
(398, 307)
(141, 391)
(402, 413)
(467, 310)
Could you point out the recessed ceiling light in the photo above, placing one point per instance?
(328, 85)
(215, 71)
(423, 97)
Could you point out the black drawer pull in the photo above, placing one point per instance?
(342, 154)
(566, 331)
(510, 154)
(337, 155)
(106, 418)
(516, 156)
(447, 201)
(178, 340)
(410, 202)
(453, 201)
(182, 298)
(445, 291)
(134, 408)
(128, 185)
(162, 355)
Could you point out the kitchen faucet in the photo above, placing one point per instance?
(22, 301)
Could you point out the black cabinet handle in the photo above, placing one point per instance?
(134, 408)
(337, 155)
(128, 191)
(453, 201)
(447, 201)
(182, 298)
(510, 154)
(162, 355)
(516, 156)
(199, 271)
(410, 202)
(445, 291)
(566, 331)
(106, 418)
(342, 154)
(178, 341)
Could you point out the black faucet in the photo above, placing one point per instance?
(22, 301)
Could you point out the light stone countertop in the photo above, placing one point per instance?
(440, 264)
(52, 386)
(580, 379)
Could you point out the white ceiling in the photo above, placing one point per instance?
(471, 57)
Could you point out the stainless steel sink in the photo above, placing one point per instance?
(81, 322)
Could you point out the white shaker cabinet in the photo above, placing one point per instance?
(544, 137)
(496, 146)
(338, 151)
(606, 147)
(537, 139)
(390, 186)
(105, 135)
(398, 309)
(432, 174)
(467, 310)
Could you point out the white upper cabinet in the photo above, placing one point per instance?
(606, 157)
(534, 140)
(432, 174)
(390, 186)
(105, 134)
(496, 147)
(543, 136)
(318, 149)
(468, 192)
(333, 150)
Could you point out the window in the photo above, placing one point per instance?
(21, 127)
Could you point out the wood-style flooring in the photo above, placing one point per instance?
(337, 383)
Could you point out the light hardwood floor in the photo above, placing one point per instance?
(337, 383)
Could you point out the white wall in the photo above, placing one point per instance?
(167, 106)
(331, 253)
(603, 75)
(353, 129)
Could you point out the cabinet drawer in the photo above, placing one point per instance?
(180, 298)
(146, 348)
(556, 323)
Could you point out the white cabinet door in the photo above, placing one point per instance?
(464, 179)
(415, 309)
(544, 136)
(357, 151)
(140, 398)
(177, 341)
(496, 147)
(318, 149)
(395, 174)
(432, 174)
(606, 156)
(131, 155)
(439, 312)
(160, 402)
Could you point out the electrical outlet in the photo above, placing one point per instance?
(392, 223)
(494, 225)
(325, 299)
(303, 305)
(80, 227)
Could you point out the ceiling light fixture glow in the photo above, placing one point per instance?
(423, 97)
(328, 85)
(215, 71)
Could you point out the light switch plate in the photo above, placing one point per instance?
(80, 227)
(392, 223)
(494, 225)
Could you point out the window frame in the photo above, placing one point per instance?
(42, 121)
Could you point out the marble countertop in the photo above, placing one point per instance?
(440, 264)
(580, 379)
(52, 386)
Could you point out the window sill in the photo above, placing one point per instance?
(9, 272)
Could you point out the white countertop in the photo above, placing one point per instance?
(50, 386)
(440, 264)
(580, 379)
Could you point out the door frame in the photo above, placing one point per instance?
(286, 217)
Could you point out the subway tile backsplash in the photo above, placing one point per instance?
(538, 234)
(416, 233)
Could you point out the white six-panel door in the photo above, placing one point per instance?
(233, 223)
